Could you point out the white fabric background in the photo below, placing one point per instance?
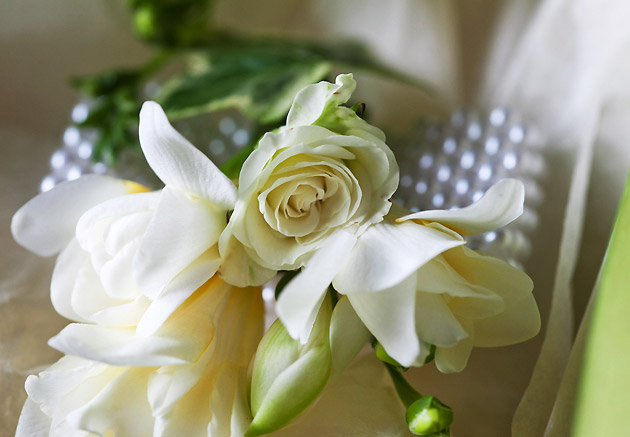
(561, 63)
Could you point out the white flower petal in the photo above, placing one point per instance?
(68, 266)
(519, 322)
(313, 100)
(59, 389)
(181, 229)
(453, 359)
(120, 346)
(180, 289)
(467, 299)
(348, 334)
(300, 300)
(93, 228)
(262, 162)
(125, 315)
(235, 339)
(46, 223)
(116, 274)
(500, 205)
(387, 253)
(181, 339)
(120, 408)
(88, 296)
(435, 323)
(389, 315)
(177, 162)
(520, 319)
(229, 389)
(490, 273)
(33, 422)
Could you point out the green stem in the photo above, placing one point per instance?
(407, 394)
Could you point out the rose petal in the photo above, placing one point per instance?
(311, 102)
(46, 223)
(261, 162)
(238, 267)
(177, 162)
(500, 205)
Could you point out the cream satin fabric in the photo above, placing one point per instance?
(560, 63)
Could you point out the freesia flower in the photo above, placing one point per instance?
(413, 284)
(326, 170)
(79, 397)
(130, 258)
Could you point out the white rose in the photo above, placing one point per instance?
(131, 258)
(78, 397)
(325, 171)
(413, 284)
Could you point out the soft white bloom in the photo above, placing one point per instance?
(77, 397)
(327, 170)
(130, 258)
(412, 283)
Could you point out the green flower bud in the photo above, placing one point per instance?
(429, 417)
(288, 376)
(145, 22)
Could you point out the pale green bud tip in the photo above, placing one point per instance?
(429, 417)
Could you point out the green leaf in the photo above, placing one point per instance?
(604, 387)
(232, 167)
(261, 82)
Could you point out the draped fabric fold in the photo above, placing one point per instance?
(552, 66)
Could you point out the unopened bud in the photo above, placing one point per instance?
(288, 376)
(429, 417)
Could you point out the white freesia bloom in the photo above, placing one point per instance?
(327, 170)
(412, 283)
(130, 258)
(78, 398)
